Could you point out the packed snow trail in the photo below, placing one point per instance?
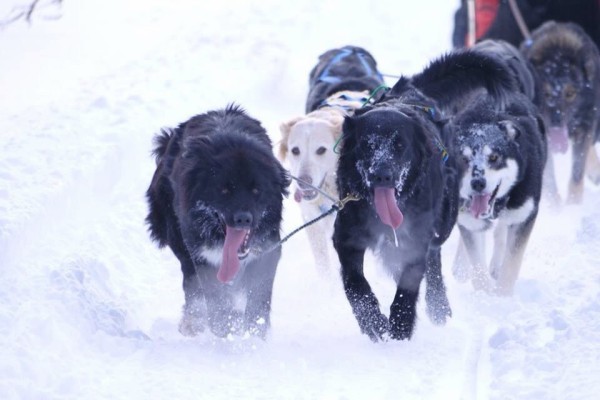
(89, 306)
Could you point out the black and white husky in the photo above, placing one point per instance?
(503, 153)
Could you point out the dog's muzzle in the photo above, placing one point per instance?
(306, 190)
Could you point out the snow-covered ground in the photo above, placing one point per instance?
(89, 306)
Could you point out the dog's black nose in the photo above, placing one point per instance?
(242, 219)
(305, 182)
(478, 184)
(382, 177)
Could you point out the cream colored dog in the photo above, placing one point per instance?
(307, 147)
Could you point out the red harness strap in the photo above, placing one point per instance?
(485, 12)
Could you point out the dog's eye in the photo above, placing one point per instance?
(493, 158)
(570, 94)
(465, 160)
(549, 93)
(321, 150)
(295, 151)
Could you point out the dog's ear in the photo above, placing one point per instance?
(285, 180)
(195, 145)
(511, 129)
(589, 69)
(285, 128)
(348, 138)
(335, 120)
(540, 125)
(337, 126)
(348, 125)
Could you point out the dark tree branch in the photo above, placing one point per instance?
(26, 12)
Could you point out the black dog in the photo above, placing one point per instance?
(522, 71)
(393, 159)
(502, 153)
(567, 65)
(216, 201)
(349, 68)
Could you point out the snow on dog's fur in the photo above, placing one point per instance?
(216, 200)
(393, 159)
(502, 153)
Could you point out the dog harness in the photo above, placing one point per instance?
(344, 52)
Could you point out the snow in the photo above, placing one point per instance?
(89, 306)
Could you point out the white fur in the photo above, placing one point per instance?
(505, 177)
(307, 134)
(214, 256)
(507, 253)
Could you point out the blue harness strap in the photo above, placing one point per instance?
(367, 67)
(325, 77)
(325, 74)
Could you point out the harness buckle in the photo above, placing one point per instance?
(339, 205)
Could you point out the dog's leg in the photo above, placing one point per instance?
(581, 148)
(438, 306)
(517, 238)
(475, 246)
(318, 240)
(592, 166)
(403, 311)
(221, 317)
(193, 318)
(365, 305)
(259, 289)
(461, 268)
(550, 189)
(500, 234)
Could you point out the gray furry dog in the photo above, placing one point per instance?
(567, 65)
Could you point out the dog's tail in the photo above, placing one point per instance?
(453, 77)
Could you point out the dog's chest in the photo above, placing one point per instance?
(214, 256)
(508, 216)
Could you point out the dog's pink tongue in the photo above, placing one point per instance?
(479, 204)
(386, 207)
(230, 264)
(298, 195)
(558, 138)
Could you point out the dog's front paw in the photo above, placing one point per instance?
(258, 327)
(374, 325)
(401, 327)
(191, 325)
(461, 271)
(438, 308)
(226, 323)
(483, 283)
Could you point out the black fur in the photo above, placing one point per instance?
(396, 143)
(513, 134)
(213, 170)
(347, 68)
(484, 122)
(453, 79)
(521, 69)
(427, 199)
